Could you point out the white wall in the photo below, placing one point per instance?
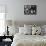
(15, 9)
(41, 12)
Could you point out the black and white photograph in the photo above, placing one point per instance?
(30, 9)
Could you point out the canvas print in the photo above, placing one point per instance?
(30, 9)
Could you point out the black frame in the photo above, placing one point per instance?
(30, 9)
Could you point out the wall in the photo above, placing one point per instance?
(15, 9)
(19, 10)
(41, 12)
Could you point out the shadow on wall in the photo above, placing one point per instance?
(21, 23)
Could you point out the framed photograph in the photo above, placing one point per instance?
(30, 9)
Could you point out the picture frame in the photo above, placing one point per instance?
(30, 9)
